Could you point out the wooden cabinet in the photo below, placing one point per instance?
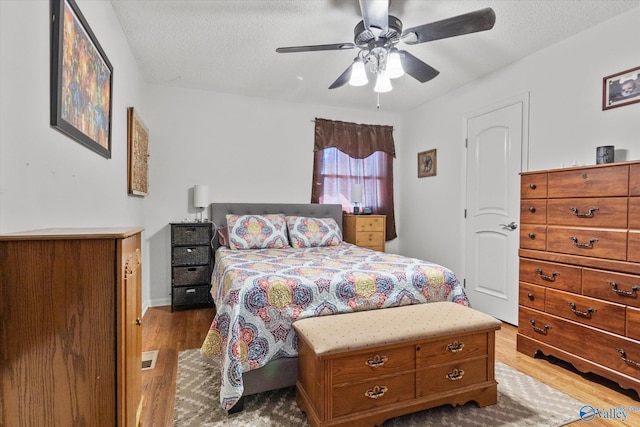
(191, 265)
(367, 231)
(579, 290)
(70, 323)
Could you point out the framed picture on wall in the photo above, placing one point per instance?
(81, 80)
(427, 163)
(138, 154)
(621, 89)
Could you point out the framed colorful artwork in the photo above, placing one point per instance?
(81, 80)
(427, 163)
(138, 154)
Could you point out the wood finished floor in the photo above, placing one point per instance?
(171, 333)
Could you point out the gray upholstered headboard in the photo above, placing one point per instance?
(218, 211)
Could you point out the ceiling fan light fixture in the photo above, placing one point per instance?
(383, 84)
(358, 74)
(394, 66)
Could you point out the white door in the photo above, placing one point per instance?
(495, 157)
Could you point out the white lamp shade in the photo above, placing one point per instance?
(201, 196)
(383, 84)
(356, 193)
(358, 74)
(394, 66)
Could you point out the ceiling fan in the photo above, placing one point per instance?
(377, 36)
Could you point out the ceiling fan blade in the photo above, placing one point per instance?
(375, 14)
(313, 48)
(416, 68)
(343, 79)
(472, 22)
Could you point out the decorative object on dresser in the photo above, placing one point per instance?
(368, 366)
(191, 265)
(367, 231)
(70, 322)
(580, 268)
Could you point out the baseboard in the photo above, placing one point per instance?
(160, 302)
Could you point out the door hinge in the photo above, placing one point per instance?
(465, 213)
(466, 143)
(464, 283)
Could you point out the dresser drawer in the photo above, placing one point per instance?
(195, 275)
(634, 180)
(590, 311)
(593, 242)
(450, 376)
(372, 393)
(191, 235)
(597, 182)
(633, 323)
(532, 296)
(533, 186)
(370, 223)
(533, 211)
(634, 246)
(590, 343)
(610, 212)
(552, 275)
(617, 287)
(190, 255)
(373, 364)
(634, 213)
(533, 237)
(191, 295)
(370, 238)
(451, 349)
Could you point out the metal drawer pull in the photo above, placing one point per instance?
(376, 361)
(631, 293)
(586, 314)
(551, 278)
(530, 296)
(455, 375)
(583, 245)
(532, 209)
(630, 362)
(532, 186)
(532, 236)
(584, 215)
(190, 291)
(376, 392)
(455, 346)
(538, 329)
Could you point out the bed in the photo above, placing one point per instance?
(260, 292)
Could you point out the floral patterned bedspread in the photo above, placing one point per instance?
(259, 293)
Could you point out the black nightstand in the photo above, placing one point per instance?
(191, 265)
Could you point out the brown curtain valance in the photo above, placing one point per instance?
(356, 140)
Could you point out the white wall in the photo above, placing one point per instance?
(245, 149)
(46, 178)
(566, 124)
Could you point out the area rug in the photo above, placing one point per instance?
(522, 401)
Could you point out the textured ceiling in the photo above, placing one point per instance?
(229, 45)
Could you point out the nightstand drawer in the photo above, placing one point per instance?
(368, 239)
(370, 223)
(191, 295)
(195, 275)
(190, 255)
(191, 234)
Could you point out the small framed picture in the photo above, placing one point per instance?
(427, 163)
(621, 89)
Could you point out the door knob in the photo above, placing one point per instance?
(511, 226)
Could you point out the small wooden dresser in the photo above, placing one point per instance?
(579, 252)
(70, 317)
(367, 231)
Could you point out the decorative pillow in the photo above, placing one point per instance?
(257, 231)
(223, 236)
(307, 232)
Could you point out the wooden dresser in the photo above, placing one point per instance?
(579, 252)
(70, 325)
(367, 231)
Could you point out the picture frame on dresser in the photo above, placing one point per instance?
(81, 80)
(621, 89)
